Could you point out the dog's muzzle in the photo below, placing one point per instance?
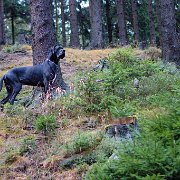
(61, 54)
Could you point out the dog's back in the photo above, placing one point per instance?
(29, 75)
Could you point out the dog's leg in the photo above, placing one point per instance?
(9, 92)
(46, 86)
(16, 89)
(5, 100)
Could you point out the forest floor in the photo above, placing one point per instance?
(65, 138)
(38, 164)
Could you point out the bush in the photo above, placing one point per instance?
(124, 56)
(82, 141)
(27, 145)
(114, 89)
(14, 48)
(46, 124)
(153, 53)
(146, 156)
(154, 154)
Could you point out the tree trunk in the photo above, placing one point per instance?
(121, 22)
(12, 26)
(74, 41)
(43, 34)
(95, 8)
(63, 24)
(81, 24)
(158, 14)
(108, 17)
(56, 17)
(2, 35)
(170, 44)
(43, 30)
(135, 20)
(151, 23)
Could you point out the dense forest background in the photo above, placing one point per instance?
(118, 116)
(98, 24)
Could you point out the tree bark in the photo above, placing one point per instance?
(158, 14)
(56, 17)
(135, 20)
(43, 34)
(170, 44)
(151, 24)
(43, 29)
(95, 9)
(74, 39)
(81, 24)
(2, 35)
(108, 17)
(121, 22)
(63, 24)
(12, 26)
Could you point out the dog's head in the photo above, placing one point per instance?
(56, 53)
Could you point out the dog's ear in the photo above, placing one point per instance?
(54, 49)
(51, 53)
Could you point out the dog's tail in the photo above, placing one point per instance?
(1, 83)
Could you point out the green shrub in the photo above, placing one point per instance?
(123, 55)
(146, 157)
(153, 53)
(46, 124)
(114, 89)
(105, 149)
(82, 141)
(27, 145)
(155, 153)
(13, 48)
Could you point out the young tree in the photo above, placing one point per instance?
(169, 36)
(121, 22)
(74, 41)
(43, 34)
(63, 23)
(151, 23)
(95, 9)
(2, 38)
(135, 20)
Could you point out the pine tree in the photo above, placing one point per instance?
(74, 41)
(2, 36)
(151, 23)
(121, 22)
(109, 19)
(95, 8)
(169, 36)
(63, 24)
(135, 20)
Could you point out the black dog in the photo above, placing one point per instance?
(38, 75)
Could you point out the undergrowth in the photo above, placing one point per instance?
(153, 154)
